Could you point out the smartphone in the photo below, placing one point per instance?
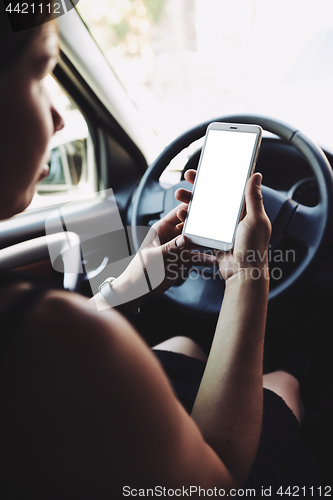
(227, 160)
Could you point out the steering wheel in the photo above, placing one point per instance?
(63, 249)
(311, 226)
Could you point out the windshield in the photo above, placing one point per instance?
(186, 61)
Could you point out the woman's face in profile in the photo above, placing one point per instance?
(28, 121)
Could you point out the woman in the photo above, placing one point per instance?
(87, 411)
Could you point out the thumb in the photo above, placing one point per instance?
(175, 245)
(253, 196)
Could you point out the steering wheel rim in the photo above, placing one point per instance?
(63, 250)
(310, 225)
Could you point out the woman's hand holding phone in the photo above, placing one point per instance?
(164, 240)
(249, 254)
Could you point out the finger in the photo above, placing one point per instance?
(183, 195)
(180, 242)
(193, 246)
(203, 258)
(222, 254)
(182, 214)
(190, 175)
(175, 246)
(189, 245)
(253, 196)
(171, 217)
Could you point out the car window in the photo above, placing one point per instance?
(72, 166)
(186, 61)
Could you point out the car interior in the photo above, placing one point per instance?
(115, 168)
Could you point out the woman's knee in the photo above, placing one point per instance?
(287, 387)
(182, 345)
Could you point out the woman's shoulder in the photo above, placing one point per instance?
(63, 367)
(73, 316)
(74, 313)
(44, 316)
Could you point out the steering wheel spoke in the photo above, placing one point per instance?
(273, 201)
(306, 225)
(280, 210)
(152, 205)
(170, 201)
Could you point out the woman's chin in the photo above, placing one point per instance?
(9, 211)
(26, 201)
(23, 205)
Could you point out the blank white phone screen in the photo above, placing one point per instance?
(220, 185)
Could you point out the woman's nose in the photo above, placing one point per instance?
(57, 119)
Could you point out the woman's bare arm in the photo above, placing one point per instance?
(228, 408)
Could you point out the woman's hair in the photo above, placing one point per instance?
(17, 30)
